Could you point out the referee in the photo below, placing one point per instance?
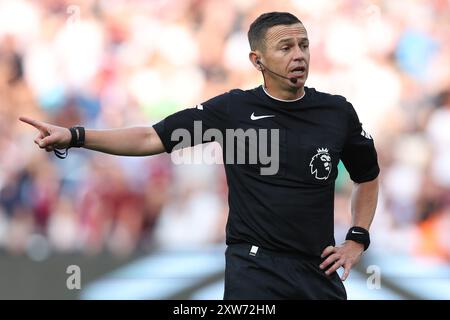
(280, 228)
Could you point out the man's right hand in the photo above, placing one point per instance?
(50, 137)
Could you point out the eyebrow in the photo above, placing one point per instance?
(290, 39)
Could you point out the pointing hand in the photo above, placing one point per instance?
(50, 137)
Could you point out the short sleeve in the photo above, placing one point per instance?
(359, 155)
(187, 127)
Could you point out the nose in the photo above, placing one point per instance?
(298, 54)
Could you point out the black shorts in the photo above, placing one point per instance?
(274, 275)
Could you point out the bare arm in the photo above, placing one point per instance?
(132, 141)
(364, 203)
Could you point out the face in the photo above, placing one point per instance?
(286, 52)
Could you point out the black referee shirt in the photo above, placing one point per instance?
(293, 209)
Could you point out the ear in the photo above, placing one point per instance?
(254, 57)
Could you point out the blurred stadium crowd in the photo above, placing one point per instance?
(106, 64)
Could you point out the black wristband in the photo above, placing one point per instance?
(78, 135)
(359, 235)
(76, 140)
(81, 135)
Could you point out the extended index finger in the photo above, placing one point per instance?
(35, 123)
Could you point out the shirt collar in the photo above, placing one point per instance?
(283, 100)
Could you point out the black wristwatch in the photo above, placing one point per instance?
(77, 141)
(359, 235)
(78, 134)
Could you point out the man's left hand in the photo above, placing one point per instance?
(346, 255)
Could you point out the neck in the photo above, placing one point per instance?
(293, 93)
(284, 100)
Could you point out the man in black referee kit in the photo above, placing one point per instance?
(280, 232)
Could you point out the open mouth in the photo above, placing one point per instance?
(299, 69)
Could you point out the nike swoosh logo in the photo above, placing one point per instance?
(353, 231)
(253, 117)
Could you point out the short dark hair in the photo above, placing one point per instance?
(259, 27)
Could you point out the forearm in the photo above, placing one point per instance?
(364, 203)
(131, 141)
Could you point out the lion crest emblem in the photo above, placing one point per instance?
(321, 164)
